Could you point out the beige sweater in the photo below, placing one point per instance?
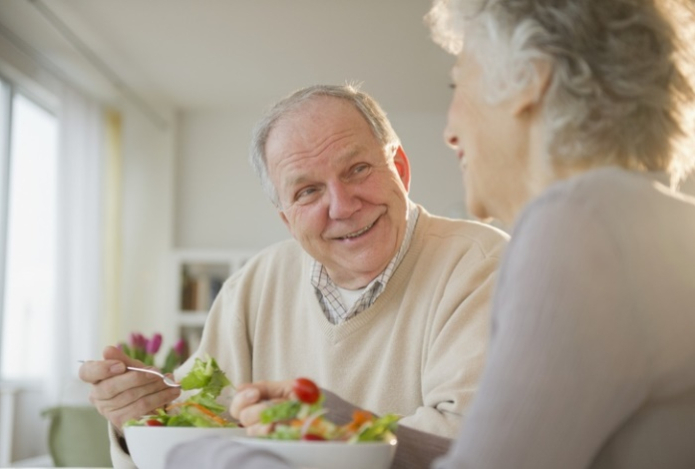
(417, 351)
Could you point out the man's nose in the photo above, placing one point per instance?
(342, 200)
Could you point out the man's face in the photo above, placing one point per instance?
(343, 198)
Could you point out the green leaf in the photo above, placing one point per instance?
(207, 376)
(280, 412)
(380, 430)
(285, 432)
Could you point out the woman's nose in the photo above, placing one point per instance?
(451, 139)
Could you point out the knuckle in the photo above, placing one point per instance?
(146, 404)
(247, 417)
(236, 408)
(259, 430)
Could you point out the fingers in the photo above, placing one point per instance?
(114, 363)
(119, 395)
(114, 353)
(251, 415)
(252, 393)
(271, 389)
(259, 429)
(247, 395)
(143, 406)
(120, 402)
(93, 372)
(116, 385)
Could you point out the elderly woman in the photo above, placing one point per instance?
(569, 118)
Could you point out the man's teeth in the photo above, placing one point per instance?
(357, 233)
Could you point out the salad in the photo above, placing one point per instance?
(304, 418)
(200, 409)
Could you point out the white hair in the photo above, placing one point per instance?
(622, 80)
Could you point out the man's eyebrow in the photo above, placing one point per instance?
(350, 154)
(342, 158)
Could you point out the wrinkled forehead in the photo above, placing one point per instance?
(314, 112)
(318, 118)
(322, 122)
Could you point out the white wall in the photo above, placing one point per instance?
(147, 224)
(219, 201)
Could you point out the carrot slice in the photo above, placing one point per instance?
(359, 417)
(202, 409)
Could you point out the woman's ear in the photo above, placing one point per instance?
(532, 94)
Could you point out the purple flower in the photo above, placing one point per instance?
(138, 341)
(180, 347)
(152, 345)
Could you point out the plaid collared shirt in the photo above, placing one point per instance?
(329, 296)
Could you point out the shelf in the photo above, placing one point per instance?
(192, 318)
(197, 277)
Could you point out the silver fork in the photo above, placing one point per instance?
(168, 381)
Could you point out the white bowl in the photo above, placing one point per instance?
(148, 446)
(329, 454)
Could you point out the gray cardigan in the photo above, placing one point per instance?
(592, 360)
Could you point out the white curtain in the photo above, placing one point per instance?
(79, 279)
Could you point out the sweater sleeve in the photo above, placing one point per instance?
(565, 367)
(120, 458)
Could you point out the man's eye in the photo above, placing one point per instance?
(305, 193)
(360, 168)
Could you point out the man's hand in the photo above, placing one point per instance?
(121, 396)
(252, 398)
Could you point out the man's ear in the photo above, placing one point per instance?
(533, 93)
(400, 160)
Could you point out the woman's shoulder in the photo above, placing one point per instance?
(604, 193)
(602, 182)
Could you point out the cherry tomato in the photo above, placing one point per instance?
(154, 423)
(312, 437)
(306, 390)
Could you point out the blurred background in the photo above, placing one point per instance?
(125, 192)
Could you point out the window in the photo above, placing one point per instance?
(29, 220)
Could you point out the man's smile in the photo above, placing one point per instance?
(358, 232)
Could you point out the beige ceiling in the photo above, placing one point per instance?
(211, 54)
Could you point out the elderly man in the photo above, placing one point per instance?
(375, 299)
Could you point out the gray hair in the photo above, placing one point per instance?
(365, 104)
(622, 82)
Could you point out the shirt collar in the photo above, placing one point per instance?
(327, 292)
